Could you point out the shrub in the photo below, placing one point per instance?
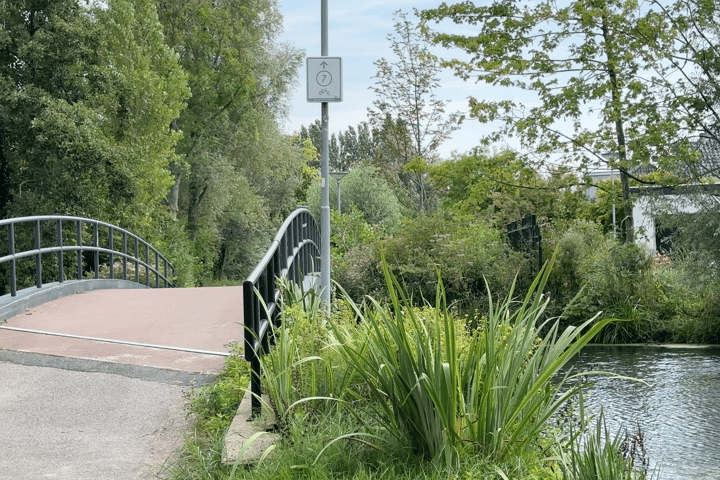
(362, 190)
(613, 278)
(466, 253)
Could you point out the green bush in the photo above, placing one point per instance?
(466, 253)
(362, 190)
(606, 276)
(688, 299)
(419, 377)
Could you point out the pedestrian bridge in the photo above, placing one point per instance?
(127, 318)
(182, 329)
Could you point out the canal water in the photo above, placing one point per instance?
(678, 410)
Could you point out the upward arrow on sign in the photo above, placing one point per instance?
(324, 64)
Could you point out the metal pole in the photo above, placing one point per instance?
(325, 163)
(338, 195)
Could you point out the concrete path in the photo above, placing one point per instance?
(81, 409)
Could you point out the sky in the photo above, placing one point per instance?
(357, 33)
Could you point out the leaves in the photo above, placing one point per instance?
(411, 118)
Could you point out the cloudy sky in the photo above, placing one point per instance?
(358, 31)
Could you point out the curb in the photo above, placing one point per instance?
(247, 441)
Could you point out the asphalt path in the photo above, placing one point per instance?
(70, 425)
(75, 409)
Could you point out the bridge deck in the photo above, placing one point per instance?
(201, 319)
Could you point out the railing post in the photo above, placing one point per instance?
(137, 263)
(61, 266)
(124, 251)
(38, 257)
(165, 271)
(78, 233)
(255, 386)
(147, 265)
(96, 244)
(11, 251)
(157, 268)
(111, 247)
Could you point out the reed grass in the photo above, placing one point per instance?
(494, 398)
(594, 454)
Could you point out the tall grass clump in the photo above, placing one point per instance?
(595, 454)
(452, 392)
(300, 366)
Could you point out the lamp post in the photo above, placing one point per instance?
(324, 85)
(338, 176)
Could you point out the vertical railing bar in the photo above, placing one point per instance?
(111, 247)
(124, 251)
(78, 233)
(147, 264)
(136, 255)
(165, 272)
(96, 245)
(11, 251)
(157, 268)
(38, 257)
(61, 262)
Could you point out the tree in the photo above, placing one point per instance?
(346, 148)
(237, 175)
(363, 190)
(86, 98)
(503, 188)
(596, 69)
(408, 114)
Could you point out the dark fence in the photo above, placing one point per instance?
(294, 255)
(524, 236)
(82, 248)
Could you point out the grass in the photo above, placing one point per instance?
(397, 392)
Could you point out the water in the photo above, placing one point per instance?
(678, 410)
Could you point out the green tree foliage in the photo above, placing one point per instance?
(86, 100)
(600, 71)
(363, 190)
(407, 112)
(692, 73)
(345, 148)
(237, 175)
(466, 253)
(503, 188)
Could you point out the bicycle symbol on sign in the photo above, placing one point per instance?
(324, 92)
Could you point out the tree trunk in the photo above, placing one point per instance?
(4, 175)
(627, 221)
(173, 196)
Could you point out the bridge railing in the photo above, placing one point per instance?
(89, 241)
(295, 255)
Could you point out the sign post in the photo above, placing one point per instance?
(324, 85)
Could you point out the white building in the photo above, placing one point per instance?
(651, 200)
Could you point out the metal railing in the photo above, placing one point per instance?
(294, 252)
(30, 238)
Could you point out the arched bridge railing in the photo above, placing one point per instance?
(82, 248)
(294, 254)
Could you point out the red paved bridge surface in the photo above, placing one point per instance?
(205, 319)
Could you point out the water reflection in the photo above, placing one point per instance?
(678, 410)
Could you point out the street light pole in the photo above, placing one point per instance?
(338, 176)
(324, 169)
